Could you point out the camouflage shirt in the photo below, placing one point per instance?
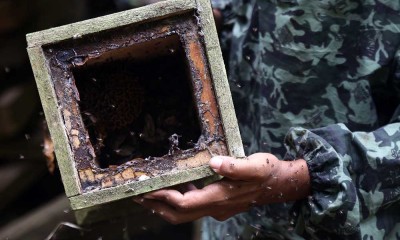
(319, 80)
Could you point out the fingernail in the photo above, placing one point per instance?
(215, 163)
(148, 197)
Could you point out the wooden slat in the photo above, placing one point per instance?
(221, 86)
(138, 187)
(53, 117)
(152, 11)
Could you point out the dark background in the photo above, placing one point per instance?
(32, 202)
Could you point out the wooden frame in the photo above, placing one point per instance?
(56, 53)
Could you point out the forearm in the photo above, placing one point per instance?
(293, 180)
(280, 181)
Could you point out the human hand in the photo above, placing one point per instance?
(257, 180)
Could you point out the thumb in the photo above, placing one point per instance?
(240, 169)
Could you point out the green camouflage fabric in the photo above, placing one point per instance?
(319, 80)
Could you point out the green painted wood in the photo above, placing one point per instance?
(121, 209)
(49, 100)
(138, 187)
(220, 80)
(75, 30)
(55, 122)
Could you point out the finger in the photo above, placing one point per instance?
(164, 195)
(186, 187)
(210, 195)
(252, 168)
(176, 217)
(215, 194)
(191, 200)
(220, 211)
(170, 214)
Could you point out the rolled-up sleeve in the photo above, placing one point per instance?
(354, 175)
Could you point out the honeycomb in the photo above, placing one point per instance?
(114, 102)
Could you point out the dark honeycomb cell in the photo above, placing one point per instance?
(131, 107)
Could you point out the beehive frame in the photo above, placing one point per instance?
(60, 103)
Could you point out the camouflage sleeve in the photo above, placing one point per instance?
(355, 178)
(221, 4)
(234, 9)
(395, 86)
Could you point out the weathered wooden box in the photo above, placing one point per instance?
(135, 101)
